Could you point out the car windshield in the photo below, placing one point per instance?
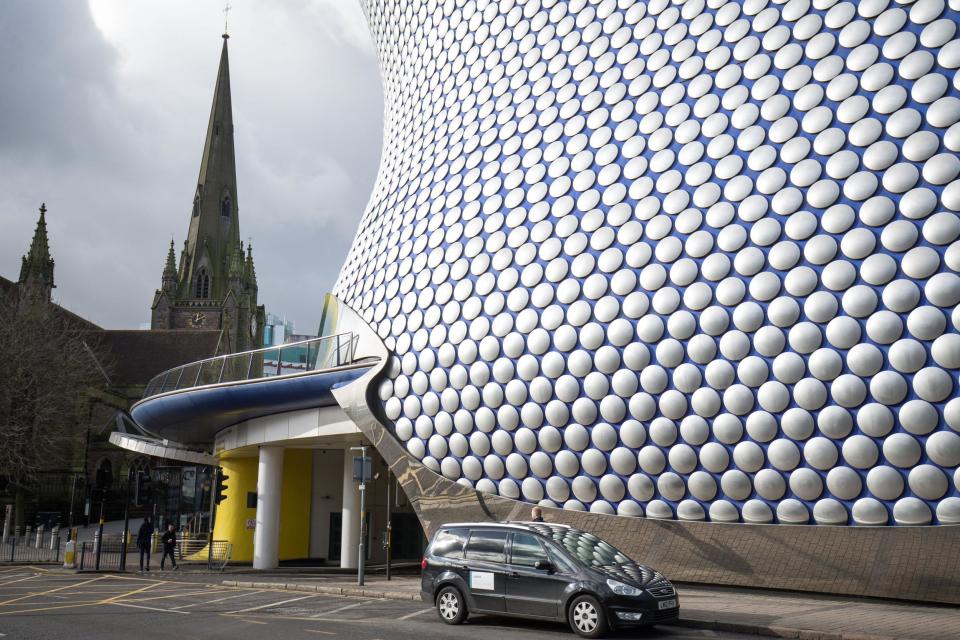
(586, 547)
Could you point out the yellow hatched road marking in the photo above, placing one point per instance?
(130, 593)
(59, 606)
(2, 584)
(48, 591)
(174, 595)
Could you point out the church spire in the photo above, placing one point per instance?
(214, 225)
(214, 287)
(170, 270)
(251, 272)
(36, 268)
(171, 266)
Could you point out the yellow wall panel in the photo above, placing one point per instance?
(232, 513)
(295, 505)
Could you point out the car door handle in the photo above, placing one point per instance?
(513, 574)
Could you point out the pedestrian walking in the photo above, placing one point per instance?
(169, 539)
(143, 542)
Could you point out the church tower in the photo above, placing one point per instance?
(211, 288)
(36, 268)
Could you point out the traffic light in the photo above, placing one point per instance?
(221, 490)
(143, 486)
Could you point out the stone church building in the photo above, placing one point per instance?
(206, 306)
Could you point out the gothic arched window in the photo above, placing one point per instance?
(225, 206)
(104, 477)
(203, 285)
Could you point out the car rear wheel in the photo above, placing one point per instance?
(450, 606)
(586, 617)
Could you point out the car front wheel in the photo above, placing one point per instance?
(586, 617)
(450, 606)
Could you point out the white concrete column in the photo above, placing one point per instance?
(350, 522)
(266, 536)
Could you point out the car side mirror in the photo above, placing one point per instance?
(543, 565)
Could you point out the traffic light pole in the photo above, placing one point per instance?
(126, 524)
(214, 490)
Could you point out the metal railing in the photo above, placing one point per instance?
(32, 546)
(314, 354)
(110, 554)
(102, 555)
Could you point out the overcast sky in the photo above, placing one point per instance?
(103, 111)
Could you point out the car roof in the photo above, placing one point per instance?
(511, 524)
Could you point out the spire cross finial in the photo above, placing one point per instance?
(43, 207)
(226, 17)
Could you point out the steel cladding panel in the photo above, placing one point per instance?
(690, 260)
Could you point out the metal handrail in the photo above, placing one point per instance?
(314, 354)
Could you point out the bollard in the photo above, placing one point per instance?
(6, 524)
(54, 538)
(70, 555)
(39, 538)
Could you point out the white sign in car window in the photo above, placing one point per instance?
(482, 580)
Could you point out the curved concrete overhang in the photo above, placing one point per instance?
(193, 416)
(160, 449)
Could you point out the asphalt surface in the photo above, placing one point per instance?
(42, 605)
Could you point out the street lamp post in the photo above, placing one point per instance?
(388, 542)
(362, 558)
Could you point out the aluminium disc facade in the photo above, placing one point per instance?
(691, 260)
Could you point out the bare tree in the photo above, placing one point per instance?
(47, 369)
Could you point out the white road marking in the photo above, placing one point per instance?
(270, 605)
(140, 606)
(197, 604)
(326, 633)
(415, 613)
(338, 610)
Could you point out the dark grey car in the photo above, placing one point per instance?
(542, 571)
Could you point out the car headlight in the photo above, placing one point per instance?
(622, 589)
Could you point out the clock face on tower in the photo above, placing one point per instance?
(198, 319)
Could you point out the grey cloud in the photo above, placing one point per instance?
(116, 162)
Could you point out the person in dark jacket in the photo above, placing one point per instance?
(536, 514)
(143, 542)
(169, 539)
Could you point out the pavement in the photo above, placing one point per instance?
(37, 603)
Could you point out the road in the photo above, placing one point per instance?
(38, 604)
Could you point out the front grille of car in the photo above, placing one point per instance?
(663, 616)
(662, 592)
